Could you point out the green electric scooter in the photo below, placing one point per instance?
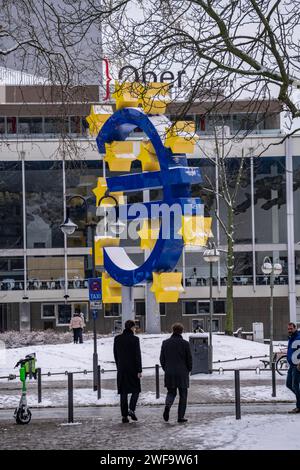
(22, 413)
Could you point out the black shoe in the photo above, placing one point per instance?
(182, 420)
(166, 413)
(132, 415)
(125, 419)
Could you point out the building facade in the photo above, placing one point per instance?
(46, 155)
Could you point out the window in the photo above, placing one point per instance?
(140, 308)
(162, 310)
(197, 324)
(54, 125)
(30, 125)
(11, 125)
(48, 311)
(11, 211)
(117, 327)
(219, 306)
(215, 325)
(64, 314)
(189, 307)
(44, 203)
(76, 125)
(112, 310)
(2, 125)
(203, 306)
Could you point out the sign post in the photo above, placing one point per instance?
(95, 298)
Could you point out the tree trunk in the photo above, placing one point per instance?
(230, 265)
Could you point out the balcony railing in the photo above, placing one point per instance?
(35, 284)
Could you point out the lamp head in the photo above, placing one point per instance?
(68, 227)
(211, 254)
(267, 266)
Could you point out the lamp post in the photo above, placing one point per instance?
(68, 228)
(273, 270)
(211, 255)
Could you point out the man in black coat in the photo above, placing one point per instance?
(176, 361)
(127, 353)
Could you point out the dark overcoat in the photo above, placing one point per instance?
(127, 353)
(176, 361)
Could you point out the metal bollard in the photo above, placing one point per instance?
(98, 382)
(157, 380)
(273, 379)
(70, 398)
(39, 384)
(237, 387)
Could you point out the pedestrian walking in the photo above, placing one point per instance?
(293, 357)
(128, 360)
(176, 361)
(77, 325)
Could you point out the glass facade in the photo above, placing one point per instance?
(44, 204)
(270, 200)
(11, 212)
(81, 178)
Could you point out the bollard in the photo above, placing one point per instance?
(273, 379)
(70, 398)
(39, 384)
(98, 382)
(237, 387)
(157, 380)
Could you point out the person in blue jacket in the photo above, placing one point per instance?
(293, 357)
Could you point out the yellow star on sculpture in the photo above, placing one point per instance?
(181, 137)
(119, 155)
(97, 117)
(167, 286)
(100, 191)
(195, 230)
(148, 158)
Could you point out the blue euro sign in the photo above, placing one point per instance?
(175, 178)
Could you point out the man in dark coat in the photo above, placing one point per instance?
(293, 357)
(128, 360)
(176, 361)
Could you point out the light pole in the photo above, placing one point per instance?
(273, 270)
(211, 255)
(68, 228)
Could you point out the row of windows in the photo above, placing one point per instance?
(78, 125)
(43, 125)
(48, 272)
(44, 201)
(61, 314)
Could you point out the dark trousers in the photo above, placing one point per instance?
(124, 403)
(171, 395)
(76, 334)
(293, 383)
(80, 336)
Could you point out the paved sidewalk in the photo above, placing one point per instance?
(100, 428)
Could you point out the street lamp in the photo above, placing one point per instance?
(68, 228)
(211, 255)
(273, 270)
(118, 226)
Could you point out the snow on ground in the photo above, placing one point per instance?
(77, 357)
(255, 432)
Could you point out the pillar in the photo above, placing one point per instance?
(152, 312)
(128, 312)
(290, 228)
(25, 324)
